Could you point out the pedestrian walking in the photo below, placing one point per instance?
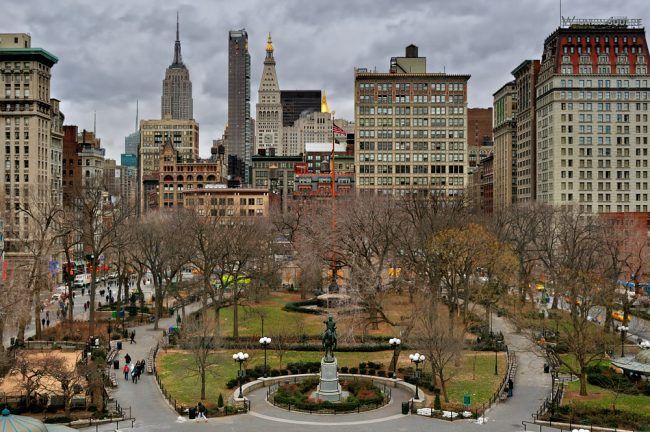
(42, 322)
(47, 314)
(125, 369)
(127, 358)
(133, 336)
(47, 322)
(200, 409)
(511, 386)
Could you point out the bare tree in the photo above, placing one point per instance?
(31, 371)
(521, 226)
(38, 245)
(64, 379)
(368, 235)
(97, 224)
(161, 247)
(577, 261)
(441, 338)
(198, 336)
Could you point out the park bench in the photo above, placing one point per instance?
(111, 355)
(149, 361)
(113, 379)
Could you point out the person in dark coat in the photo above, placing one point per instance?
(127, 358)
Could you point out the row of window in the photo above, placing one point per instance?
(404, 87)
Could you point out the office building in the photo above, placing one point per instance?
(178, 176)
(526, 120)
(240, 130)
(33, 136)
(83, 161)
(411, 128)
(220, 201)
(592, 116)
(183, 134)
(479, 134)
(131, 144)
(505, 146)
(268, 120)
(298, 102)
(176, 101)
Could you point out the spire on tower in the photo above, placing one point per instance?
(178, 59)
(269, 44)
(324, 107)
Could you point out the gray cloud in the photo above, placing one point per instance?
(113, 52)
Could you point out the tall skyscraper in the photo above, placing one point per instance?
(526, 120)
(33, 137)
(176, 100)
(592, 116)
(240, 141)
(410, 128)
(505, 146)
(131, 143)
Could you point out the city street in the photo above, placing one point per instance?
(52, 306)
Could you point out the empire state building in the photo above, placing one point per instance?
(176, 100)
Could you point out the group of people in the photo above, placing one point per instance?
(134, 370)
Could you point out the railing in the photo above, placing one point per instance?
(273, 388)
(178, 407)
(551, 402)
(499, 394)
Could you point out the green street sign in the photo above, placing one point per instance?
(467, 400)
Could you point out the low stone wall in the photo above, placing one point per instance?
(267, 382)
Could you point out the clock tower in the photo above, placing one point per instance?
(268, 121)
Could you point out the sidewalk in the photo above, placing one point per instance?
(532, 385)
(144, 398)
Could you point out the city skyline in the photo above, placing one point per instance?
(126, 48)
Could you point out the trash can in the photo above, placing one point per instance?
(192, 413)
(547, 368)
(116, 364)
(405, 408)
(119, 344)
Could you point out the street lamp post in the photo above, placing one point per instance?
(496, 356)
(394, 344)
(240, 358)
(265, 341)
(417, 358)
(623, 329)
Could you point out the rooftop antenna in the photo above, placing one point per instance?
(560, 13)
(136, 114)
(95, 123)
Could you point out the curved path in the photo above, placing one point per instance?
(152, 412)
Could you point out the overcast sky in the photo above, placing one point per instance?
(112, 52)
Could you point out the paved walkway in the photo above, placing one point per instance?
(154, 414)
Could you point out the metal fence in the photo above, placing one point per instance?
(179, 407)
(273, 388)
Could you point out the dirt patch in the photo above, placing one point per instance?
(11, 383)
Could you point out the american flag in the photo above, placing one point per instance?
(338, 131)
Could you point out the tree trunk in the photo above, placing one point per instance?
(93, 288)
(202, 384)
(158, 302)
(37, 315)
(217, 319)
(235, 317)
(443, 386)
(2, 337)
(583, 383)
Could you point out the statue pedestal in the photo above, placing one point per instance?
(329, 388)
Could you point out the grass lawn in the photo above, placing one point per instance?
(250, 321)
(598, 397)
(175, 370)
